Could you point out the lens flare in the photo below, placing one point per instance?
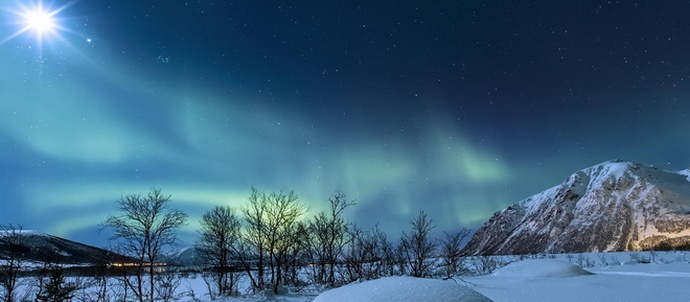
(37, 19)
(40, 21)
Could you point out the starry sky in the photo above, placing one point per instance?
(458, 108)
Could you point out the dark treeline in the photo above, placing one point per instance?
(272, 242)
(269, 240)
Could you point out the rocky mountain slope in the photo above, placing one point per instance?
(40, 247)
(187, 256)
(613, 206)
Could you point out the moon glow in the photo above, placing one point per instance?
(40, 21)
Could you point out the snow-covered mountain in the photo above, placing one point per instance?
(613, 206)
(40, 247)
(185, 256)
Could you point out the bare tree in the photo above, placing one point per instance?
(283, 212)
(388, 256)
(419, 247)
(167, 284)
(401, 259)
(374, 254)
(144, 226)
(451, 252)
(269, 234)
(366, 254)
(220, 232)
(329, 231)
(297, 254)
(354, 255)
(14, 244)
(485, 264)
(254, 246)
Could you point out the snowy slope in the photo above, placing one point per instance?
(182, 256)
(631, 283)
(402, 289)
(541, 268)
(613, 206)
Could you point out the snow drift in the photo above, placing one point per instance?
(402, 289)
(541, 268)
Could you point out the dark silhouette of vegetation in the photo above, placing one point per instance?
(369, 255)
(54, 286)
(255, 241)
(329, 237)
(283, 213)
(14, 245)
(217, 247)
(451, 252)
(144, 226)
(267, 239)
(270, 231)
(419, 247)
(270, 243)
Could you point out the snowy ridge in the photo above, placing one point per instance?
(22, 232)
(613, 206)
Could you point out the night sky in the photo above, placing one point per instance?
(458, 108)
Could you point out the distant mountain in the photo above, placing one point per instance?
(185, 257)
(613, 206)
(41, 247)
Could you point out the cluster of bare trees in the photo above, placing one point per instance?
(370, 254)
(219, 247)
(264, 242)
(268, 240)
(326, 239)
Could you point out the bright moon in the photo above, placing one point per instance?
(40, 21)
(37, 19)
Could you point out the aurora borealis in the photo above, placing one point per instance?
(458, 108)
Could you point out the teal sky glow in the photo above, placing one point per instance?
(455, 108)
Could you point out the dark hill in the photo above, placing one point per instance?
(39, 247)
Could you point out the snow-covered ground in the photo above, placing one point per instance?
(551, 280)
(605, 277)
(402, 289)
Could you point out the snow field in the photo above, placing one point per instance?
(402, 289)
(630, 277)
(607, 279)
(540, 268)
